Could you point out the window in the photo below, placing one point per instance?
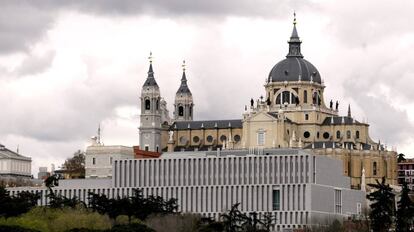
(374, 168)
(260, 138)
(157, 104)
(357, 134)
(305, 96)
(146, 148)
(93, 161)
(348, 134)
(276, 199)
(326, 135)
(338, 134)
(157, 149)
(286, 97)
(223, 138)
(317, 135)
(183, 140)
(306, 116)
(196, 139)
(147, 104)
(306, 134)
(191, 111)
(359, 208)
(237, 138)
(338, 201)
(180, 111)
(209, 138)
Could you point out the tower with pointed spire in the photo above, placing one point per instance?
(150, 125)
(183, 104)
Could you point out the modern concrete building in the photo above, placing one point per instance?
(14, 165)
(99, 159)
(298, 188)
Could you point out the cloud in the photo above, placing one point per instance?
(22, 25)
(34, 64)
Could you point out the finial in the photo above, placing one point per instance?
(294, 17)
(150, 58)
(183, 65)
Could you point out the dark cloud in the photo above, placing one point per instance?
(22, 25)
(34, 64)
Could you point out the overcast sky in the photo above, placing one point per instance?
(67, 66)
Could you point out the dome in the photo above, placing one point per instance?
(294, 69)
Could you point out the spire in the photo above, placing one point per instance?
(349, 110)
(150, 81)
(184, 87)
(294, 42)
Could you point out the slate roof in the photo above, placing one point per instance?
(337, 120)
(150, 81)
(211, 124)
(8, 154)
(184, 87)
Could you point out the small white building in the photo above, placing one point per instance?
(99, 158)
(13, 165)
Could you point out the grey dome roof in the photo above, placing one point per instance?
(293, 69)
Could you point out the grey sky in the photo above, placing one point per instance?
(66, 66)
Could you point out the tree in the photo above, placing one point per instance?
(75, 166)
(233, 219)
(400, 157)
(382, 206)
(59, 201)
(11, 206)
(405, 211)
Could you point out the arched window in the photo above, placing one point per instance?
(348, 134)
(278, 100)
(374, 168)
(305, 96)
(357, 134)
(147, 104)
(157, 105)
(191, 111)
(338, 134)
(286, 97)
(180, 111)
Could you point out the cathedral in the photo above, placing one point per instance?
(294, 114)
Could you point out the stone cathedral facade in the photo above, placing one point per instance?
(294, 114)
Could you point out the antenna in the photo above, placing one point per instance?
(99, 134)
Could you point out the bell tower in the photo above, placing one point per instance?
(183, 105)
(150, 125)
